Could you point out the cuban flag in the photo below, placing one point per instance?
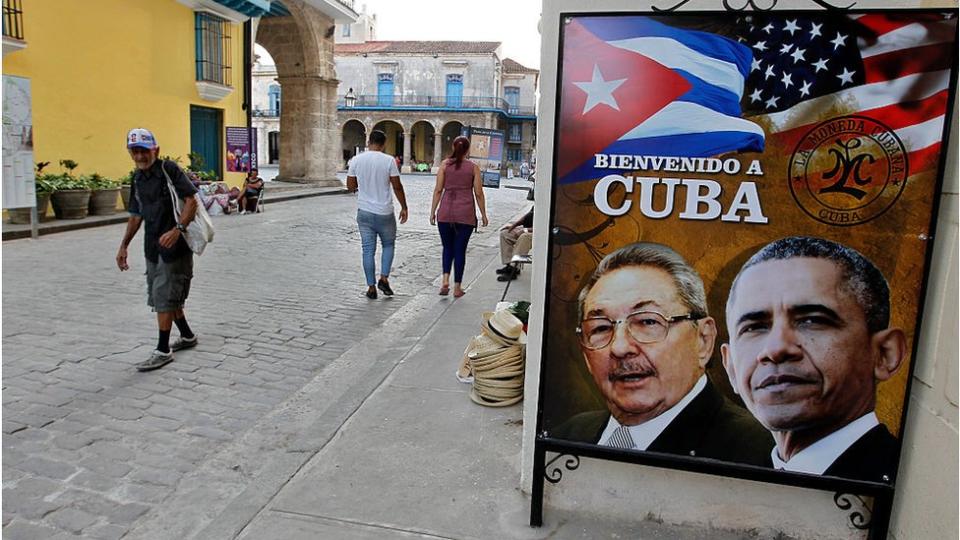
(632, 85)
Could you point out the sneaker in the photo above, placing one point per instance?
(243, 212)
(183, 343)
(505, 269)
(157, 360)
(385, 287)
(371, 294)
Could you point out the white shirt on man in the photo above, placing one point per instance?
(373, 170)
(644, 434)
(817, 458)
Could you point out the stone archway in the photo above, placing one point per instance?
(301, 45)
(451, 130)
(354, 139)
(423, 147)
(397, 143)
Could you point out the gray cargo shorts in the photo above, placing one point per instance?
(168, 283)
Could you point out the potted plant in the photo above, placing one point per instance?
(44, 186)
(71, 195)
(125, 182)
(103, 199)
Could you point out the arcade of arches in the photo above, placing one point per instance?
(417, 138)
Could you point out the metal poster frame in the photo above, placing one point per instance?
(849, 494)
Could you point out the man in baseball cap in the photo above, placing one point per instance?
(169, 260)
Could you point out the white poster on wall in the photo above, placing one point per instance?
(19, 190)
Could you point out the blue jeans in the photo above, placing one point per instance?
(372, 225)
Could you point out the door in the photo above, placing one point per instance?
(385, 90)
(273, 147)
(455, 90)
(206, 127)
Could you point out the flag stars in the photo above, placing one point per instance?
(798, 55)
(768, 28)
(787, 79)
(819, 65)
(846, 77)
(760, 46)
(772, 102)
(838, 41)
(815, 30)
(786, 48)
(791, 27)
(756, 96)
(768, 73)
(755, 65)
(805, 89)
(599, 91)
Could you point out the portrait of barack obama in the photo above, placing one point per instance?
(810, 338)
(646, 336)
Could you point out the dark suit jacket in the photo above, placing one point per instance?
(710, 426)
(872, 457)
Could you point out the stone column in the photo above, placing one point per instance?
(437, 151)
(308, 153)
(407, 135)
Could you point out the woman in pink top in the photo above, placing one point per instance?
(459, 192)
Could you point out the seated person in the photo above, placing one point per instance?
(516, 238)
(250, 194)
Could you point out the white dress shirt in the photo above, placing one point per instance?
(817, 458)
(647, 432)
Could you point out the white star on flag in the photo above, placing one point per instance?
(846, 77)
(772, 102)
(805, 89)
(756, 96)
(822, 64)
(798, 55)
(787, 79)
(755, 65)
(791, 27)
(838, 41)
(768, 73)
(815, 29)
(599, 91)
(760, 46)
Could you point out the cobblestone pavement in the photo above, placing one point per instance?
(90, 446)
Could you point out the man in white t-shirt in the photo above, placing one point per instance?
(372, 174)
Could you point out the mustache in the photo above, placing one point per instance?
(634, 368)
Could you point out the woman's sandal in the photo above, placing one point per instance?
(458, 294)
(444, 290)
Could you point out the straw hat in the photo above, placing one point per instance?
(503, 325)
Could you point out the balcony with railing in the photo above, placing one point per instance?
(265, 113)
(13, 37)
(452, 102)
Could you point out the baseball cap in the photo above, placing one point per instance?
(141, 138)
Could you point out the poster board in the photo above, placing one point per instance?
(710, 136)
(19, 188)
(486, 150)
(241, 149)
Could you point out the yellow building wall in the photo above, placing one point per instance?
(99, 68)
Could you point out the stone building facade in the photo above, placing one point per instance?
(420, 93)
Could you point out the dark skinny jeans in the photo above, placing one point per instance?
(455, 237)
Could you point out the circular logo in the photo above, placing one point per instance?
(848, 170)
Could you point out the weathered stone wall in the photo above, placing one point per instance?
(418, 75)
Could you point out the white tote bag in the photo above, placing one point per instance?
(199, 231)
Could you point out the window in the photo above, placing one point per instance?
(515, 133)
(512, 95)
(346, 30)
(455, 90)
(12, 20)
(385, 89)
(514, 154)
(273, 92)
(213, 49)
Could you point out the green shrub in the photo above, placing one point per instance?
(96, 181)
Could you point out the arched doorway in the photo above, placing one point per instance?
(422, 145)
(354, 139)
(450, 131)
(394, 132)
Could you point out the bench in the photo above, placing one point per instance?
(517, 262)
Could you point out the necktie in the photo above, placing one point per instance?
(621, 439)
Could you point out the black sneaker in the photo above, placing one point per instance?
(385, 287)
(183, 343)
(157, 360)
(505, 269)
(509, 276)
(371, 294)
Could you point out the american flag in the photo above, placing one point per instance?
(892, 67)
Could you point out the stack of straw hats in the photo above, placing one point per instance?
(496, 359)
